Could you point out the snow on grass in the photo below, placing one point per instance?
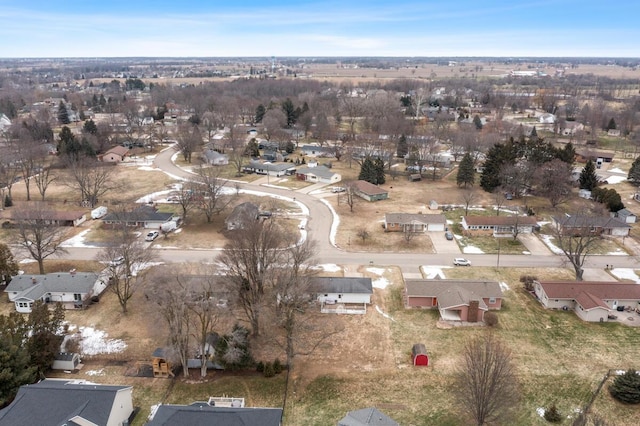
(330, 267)
(137, 267)
(77, 241)
(504, 286)
(334, 223)
(380, 282)
(149, 169)
(95, 342)
(547, 240)
(432, 272)
(95, 372)
(617, 170)
(27, 261)
(612, 180)
(383, 314)
(626, 274)
(472, 250)
(151, 197)
(540, 411)
(618, 252)
(377, 271)
(177, 231)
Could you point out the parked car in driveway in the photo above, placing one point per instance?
(151, 236)
(461, 261)
(448, 235)
(117, 261)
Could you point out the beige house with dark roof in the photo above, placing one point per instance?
(590, 300)
(399, 222)
(500, 224)
(369, 191)
(115, 154)
(457, 300)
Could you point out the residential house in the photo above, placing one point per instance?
(499, 225)
(369, 191)
(116, 154)
(318, 174)
(583, 156)
(271, 169)
(571, 128)
(598, 225)
(626, 216)
(241, 215)
(591, 300)
(204, 414)
(367, 417)
(72, 289)
(402, 222)
(51, 217)
(214, 158)
(55, 402)
(342, 294)
(457, 300)
(144, 216)
(317, 151)
(547, 118)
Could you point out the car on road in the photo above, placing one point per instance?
(117, 261)
(151, 236)
(337, 189)
(461, 261)
(448, 235)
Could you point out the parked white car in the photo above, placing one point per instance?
(461, 261)
(151, 236)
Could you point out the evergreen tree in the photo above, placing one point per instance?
(567, 154)
(8, 265)
(626, 387)
(497, 156)
(378, 165)
(403, 147)
(477, 122)
(68, 145)
(90, 127)
(534, 134)
(63, 114)
(44, 340)
(588, 178)
(634, 172)
(15, 363)
(466, 172)
(367, 171)
(290, 111)
(612, 124)
(260, 112)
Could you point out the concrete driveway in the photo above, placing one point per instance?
(441, 244)
(534, 244)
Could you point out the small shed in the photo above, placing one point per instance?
(66, 361)
(433, 205)
(419, 355)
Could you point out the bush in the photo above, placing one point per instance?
(7, 201)
(491, 319)
(260, 367)
(552, 415)
(626, 387)
(277, 366)
(268, 370)
(528, 280)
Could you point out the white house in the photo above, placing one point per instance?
(547, 118)
(318, 174)
(342, 294)
(214, 158)
(72, 289)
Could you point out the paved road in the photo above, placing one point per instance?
(319, 229)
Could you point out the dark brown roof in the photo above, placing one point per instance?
(602, 290)
(413, 217)
(589, 301)
(368, 188)
(56, 215)
(500, 220)
(118, 150)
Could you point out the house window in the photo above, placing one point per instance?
(492, 300)
(77, 297)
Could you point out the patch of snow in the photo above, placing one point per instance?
(137, 267)
(432, 272)
(77, 241)
(330, 267)
(95, 372)
(502, 209)
(626, 274)
(477, 208)
(504, 286)
(612, 180)
(377, 271)
(449, 222)
(547, 240)
(540, 411)
(526, 252)
(543, 222)
(27, 261)
(383, 314)
(380, 283)
(617, 170)
(618, 252)
(151, 197)
(177, 231)
(95, 342)
(334, 224)
(148, 169)
(472, 249)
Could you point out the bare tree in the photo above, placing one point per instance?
(577, 236)
(37, 233)
(126, 256)
(204, 313)
(91, 179)
(499, 199)
(29, 151)
(554, 181)
(212, 198)
(485, 383)
(43, 176)
(348, 195)
(468, 196)
(189, 139)
(237, 147)
(363, 233)
(9, 173)
(250, 258)
(186, 198)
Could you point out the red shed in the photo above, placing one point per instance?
(419, 355)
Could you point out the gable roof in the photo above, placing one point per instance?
(271, 167)
(414, 217)
(48, 215)
(601, 290)
(341, 285)
(55, 402)
(320, 171)
(243, 212)
(500, 220)
(140, 214)
(118, 150)
(33, 287)
(368, 188)
(202, 414)
(589, 301)
(210, 154)
(581, 221)
(366, 417)
(452, 293)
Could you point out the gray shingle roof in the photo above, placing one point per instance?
(205, 415)
(580, 221)
(35, 286)
(141, 214)
(320, 171)
(408, 218)
(341, 285)
(55, 402)
(366, 417)
(453, 292)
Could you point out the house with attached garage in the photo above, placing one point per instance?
(457, 300)
(207, 414)
(369, 191)
(499, 225)
(144, 216)
(271, 169)
(50, 217)
(117, 154)
(367, 417)
(597, 225)
(318, 174)
(55, 402)
(214, 158)
(412, 222)
(72, 289)
(342, 294)
(591, 300)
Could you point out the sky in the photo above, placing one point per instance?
(308, 28)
